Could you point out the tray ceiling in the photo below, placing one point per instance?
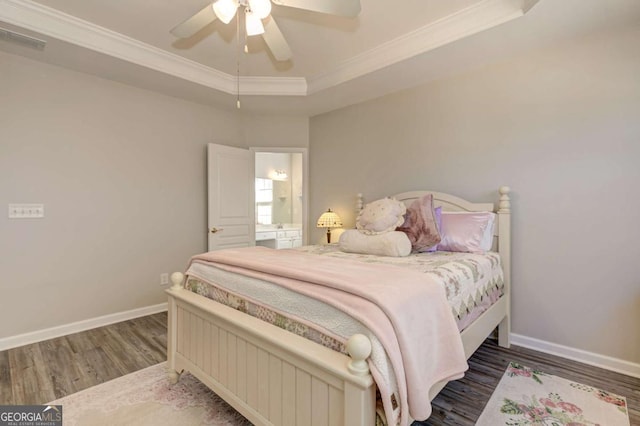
(336, 61)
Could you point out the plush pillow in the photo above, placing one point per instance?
(467, 231)
(438, 214)
(381, 216)
(391, 243)
(420, 224)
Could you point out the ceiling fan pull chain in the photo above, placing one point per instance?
(238, 62)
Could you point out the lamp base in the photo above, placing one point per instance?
(328, 235)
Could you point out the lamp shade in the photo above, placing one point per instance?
(329, 219)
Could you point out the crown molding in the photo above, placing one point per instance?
(476, 18)
(273, 86)
(53, 23)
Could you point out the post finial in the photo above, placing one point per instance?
(359, 348)
(177, 278)
(505, 202)
(359, 202)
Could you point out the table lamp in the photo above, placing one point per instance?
(329, 220)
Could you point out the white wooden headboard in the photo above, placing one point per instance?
(449, 202)
(502, 230)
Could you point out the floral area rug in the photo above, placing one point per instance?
(526, 397)
(147, 398)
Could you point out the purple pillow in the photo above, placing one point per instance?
(470, 232)
(438, 214)
(420, 224)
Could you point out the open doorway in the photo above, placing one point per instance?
(280, 197)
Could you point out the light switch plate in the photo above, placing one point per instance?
(26, 211)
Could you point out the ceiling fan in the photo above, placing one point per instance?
(258, 19)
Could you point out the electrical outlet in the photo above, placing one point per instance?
(164, 278)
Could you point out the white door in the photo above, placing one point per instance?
(230, 193)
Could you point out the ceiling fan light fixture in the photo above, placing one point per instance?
(225, 10)
(253, 24)
(260, 8)
(258, 20)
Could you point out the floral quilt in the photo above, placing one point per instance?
(467, 277)
(471, 281)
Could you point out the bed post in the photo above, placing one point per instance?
(360, 402)
(172, 322)
(504, 248)
(359, 349)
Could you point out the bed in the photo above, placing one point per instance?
(274, 377)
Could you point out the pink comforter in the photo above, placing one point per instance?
(407, 311)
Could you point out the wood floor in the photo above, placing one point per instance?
(42, 372)
(462, 401)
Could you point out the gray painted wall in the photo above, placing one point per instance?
(122, 174)
(561, 126)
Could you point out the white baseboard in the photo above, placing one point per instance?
(603, 361)
(75, 327)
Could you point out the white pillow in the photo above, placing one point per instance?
(466, 231)
(394, 243)
(381, 216)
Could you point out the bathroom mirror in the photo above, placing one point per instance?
(280, 197)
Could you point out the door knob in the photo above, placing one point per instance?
(214, 230)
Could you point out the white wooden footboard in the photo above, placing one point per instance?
(271, 376)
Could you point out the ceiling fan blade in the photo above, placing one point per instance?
(275, 40)
(194, 24)
(347, 8)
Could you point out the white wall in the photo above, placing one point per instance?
(122, 174)
(561, 126)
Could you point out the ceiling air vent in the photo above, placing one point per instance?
(21, 39)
